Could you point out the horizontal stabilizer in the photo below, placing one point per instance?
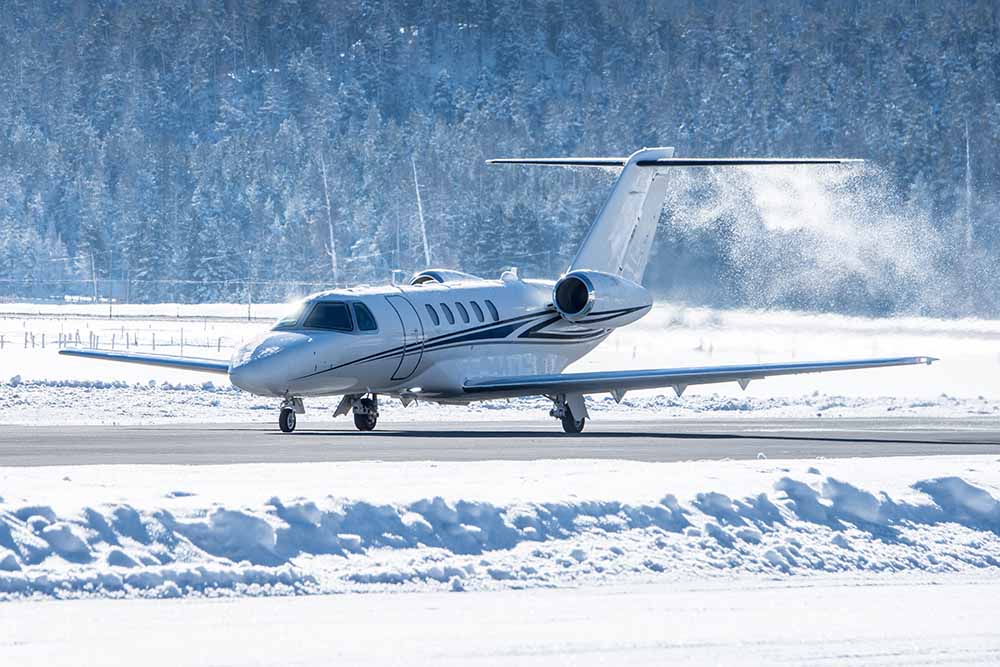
(164, 360)
(672, 162)
(741, 161)
(563, 161)
(679, 378)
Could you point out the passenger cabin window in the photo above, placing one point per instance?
(433, 313)
(447, 313)
(493, 310)
(332, 315)
(291, 318)
(463, 312)
(478, 311)
(364, 317)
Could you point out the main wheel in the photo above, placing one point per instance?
(366, 421)
(286, 420)
(571, 424)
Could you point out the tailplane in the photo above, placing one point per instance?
(621, 238)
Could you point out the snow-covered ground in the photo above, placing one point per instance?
(939, 620)
(287, 529)
(966, 382)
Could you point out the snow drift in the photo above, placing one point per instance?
(163, 531)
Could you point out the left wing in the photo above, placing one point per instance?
(618, 382)
(165, 360)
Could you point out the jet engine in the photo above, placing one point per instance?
(594, 297)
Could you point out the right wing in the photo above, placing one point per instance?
(618, 382)
(165, 360)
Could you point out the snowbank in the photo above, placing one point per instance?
(166, 531)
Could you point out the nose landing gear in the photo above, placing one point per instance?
(286, 418)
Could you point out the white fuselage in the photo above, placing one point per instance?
(414, 351)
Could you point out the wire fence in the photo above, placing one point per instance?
(127, 289)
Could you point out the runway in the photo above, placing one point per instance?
(645, 440)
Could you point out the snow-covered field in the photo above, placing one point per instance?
(966, 382)
(940, 620)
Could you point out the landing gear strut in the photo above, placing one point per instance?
(366, 413)
(571, 411)
(286, 418)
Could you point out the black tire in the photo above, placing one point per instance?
(286, 420)
(571, 424)
(365, 422)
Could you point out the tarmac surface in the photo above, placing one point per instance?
(641, 440)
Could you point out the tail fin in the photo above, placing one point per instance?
(620, 239)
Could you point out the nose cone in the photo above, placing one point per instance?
(265, 365)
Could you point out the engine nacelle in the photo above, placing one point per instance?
(594, 297)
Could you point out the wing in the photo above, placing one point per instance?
(165, 360)
(618, 382)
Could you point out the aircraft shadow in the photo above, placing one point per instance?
(625, 435)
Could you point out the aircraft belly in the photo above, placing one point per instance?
(446, 371)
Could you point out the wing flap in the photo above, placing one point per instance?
(620, 381)
(164, 360)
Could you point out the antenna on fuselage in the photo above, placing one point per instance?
(420, 213)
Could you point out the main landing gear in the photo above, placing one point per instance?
(571, 411)
(365, 410)
(366, 413)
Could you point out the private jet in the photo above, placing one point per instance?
(451, 337)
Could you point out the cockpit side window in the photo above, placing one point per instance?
(332, 315)
(366, 321)
(291, 318)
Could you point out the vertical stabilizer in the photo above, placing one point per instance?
(620, 240)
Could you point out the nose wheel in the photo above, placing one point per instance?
(289, 408)
(286, 420)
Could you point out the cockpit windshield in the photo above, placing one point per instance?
(292, 317)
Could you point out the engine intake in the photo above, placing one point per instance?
(593, 296)
(573, 297)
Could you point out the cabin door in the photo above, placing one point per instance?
(413, 337)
